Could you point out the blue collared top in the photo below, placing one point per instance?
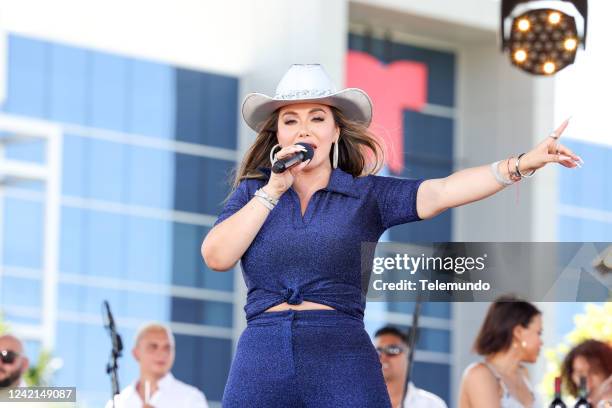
(316, 257)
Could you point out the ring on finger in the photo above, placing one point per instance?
(553, 135)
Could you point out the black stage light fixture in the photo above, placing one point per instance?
(542, 37)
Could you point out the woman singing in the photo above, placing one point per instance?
(298, 236)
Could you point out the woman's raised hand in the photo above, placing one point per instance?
(550, 151)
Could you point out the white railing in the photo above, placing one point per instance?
(17, 130)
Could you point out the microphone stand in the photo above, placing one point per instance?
(111, 366)
(412, 338)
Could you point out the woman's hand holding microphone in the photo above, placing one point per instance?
(281, 182)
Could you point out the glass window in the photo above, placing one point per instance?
(204, 363)
(22, 233)
(202, 312)
(109, 91)
(151, 100)
(68, 84)
(137, 249)
(28, 71)
(206, 108)
(21, 292)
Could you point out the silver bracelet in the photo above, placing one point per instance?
(265, 202)
(266, 198)
(518, 162)
(498, 176)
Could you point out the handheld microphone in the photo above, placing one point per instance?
(281, 165)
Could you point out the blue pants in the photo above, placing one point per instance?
(305, 359)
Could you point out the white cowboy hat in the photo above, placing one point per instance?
(306, 83)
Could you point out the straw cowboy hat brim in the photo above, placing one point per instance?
(304, 83)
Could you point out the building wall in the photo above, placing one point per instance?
(147, 148)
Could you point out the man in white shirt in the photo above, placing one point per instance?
(13, 363)
(392, 347)
(156, 387)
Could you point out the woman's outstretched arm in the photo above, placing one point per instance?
(473, 184)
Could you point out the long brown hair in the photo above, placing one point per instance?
(360, 152)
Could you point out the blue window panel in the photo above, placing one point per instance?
(12, 316)
(69, 84)
(70, 297)
(428, 142)
(202, 312)
(118, 172)
(72, 241)
(147, 253)
(29, 151)
(434, 340)
(72, 346)
(21, 292)
(201, 184)
(206, 108)
(124, 303)
(588, 186)
(95, 338)
(204, 363)
(146, 306)
(188, 266)
(438, 340)
(28, 76)
(431, 309)
(574, 229)
(105, 244)
(428, 139)
(109, 85)
(75, 151)
(136, 249)
(150, 177)
(69, 348)
(106, 170)
(32, 349)
(434, 378)
(23, 233)
(151, 99)
(440, 64)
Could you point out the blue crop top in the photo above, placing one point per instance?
(316, 257)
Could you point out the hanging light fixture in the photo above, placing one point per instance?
(542, 37)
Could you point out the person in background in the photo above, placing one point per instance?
(392, 347)
(156, 386)
(510, 336)
(13, 363)
(591, 359)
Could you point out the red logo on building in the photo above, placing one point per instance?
(393, 88)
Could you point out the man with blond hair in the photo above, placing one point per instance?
(156, 387)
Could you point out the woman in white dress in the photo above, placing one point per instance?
(509, 337)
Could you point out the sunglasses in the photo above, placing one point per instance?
(390, 350)
(8, 356)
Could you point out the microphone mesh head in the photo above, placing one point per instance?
(309, 150)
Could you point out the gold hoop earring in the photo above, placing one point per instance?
(272, 153)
